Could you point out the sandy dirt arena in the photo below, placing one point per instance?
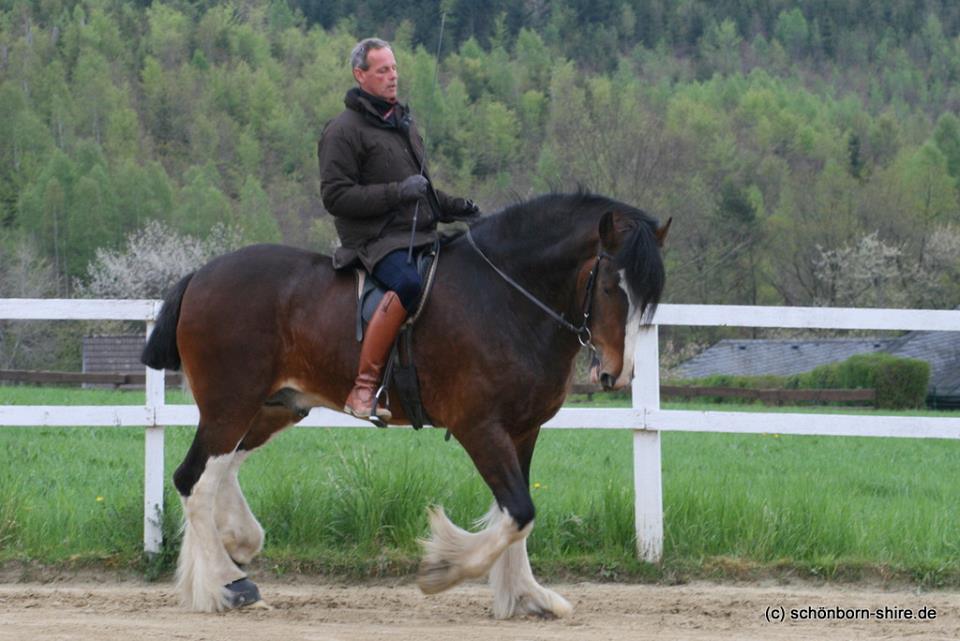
(114, 611)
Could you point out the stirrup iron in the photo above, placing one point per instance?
(374, 418)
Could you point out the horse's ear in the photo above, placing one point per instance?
(661, 232)
(612, 227)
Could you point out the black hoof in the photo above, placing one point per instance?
(242, 592)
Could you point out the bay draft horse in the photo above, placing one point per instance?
(267, 332)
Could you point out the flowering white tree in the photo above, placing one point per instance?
(873, 273)
(939, 280)
(153, 259)
(869, 273)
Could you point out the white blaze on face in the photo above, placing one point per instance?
(630, 335)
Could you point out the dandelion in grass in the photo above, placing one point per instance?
(99, 499)
(539, 486)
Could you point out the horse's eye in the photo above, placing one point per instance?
(611, 285)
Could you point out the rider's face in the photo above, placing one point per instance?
(380, 77)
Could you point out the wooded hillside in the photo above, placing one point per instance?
(808, 151)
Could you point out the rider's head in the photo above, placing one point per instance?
(375, 68)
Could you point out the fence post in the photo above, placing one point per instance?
(647, 486)
(153, 462)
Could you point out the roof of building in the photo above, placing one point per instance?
(783, 357)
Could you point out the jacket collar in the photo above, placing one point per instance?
(374, 108)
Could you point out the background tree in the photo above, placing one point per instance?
(771, 131)
(153, 259)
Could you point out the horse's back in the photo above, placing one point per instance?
(243, 298)
(265, 314)
(263, 263)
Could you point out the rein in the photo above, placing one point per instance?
(583, 331)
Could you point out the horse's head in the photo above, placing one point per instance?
(626, 293)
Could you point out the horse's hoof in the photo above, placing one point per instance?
(542, 604)
(242, 592)
(436, 576)
(556, 610)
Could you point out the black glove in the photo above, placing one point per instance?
(463, 209)
(413, 187)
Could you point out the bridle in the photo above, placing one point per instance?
(583, 331)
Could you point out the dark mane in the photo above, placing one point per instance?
(551, 220)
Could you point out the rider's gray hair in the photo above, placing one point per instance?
(358, 57)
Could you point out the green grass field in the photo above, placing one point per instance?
(352, 501)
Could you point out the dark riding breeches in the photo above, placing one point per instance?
(395, 274)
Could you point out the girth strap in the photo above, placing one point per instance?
(427, 286)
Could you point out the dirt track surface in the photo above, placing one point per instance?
(334, 612)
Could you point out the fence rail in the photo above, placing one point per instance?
(40, 377)
(645, 417)
(778, 396)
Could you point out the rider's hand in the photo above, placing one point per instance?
(413, 187)
(464, 209)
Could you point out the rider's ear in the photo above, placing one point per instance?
(613, 225)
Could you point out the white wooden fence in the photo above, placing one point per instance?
(645, 417)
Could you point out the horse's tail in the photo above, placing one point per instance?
(161, 351)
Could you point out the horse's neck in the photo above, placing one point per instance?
(549, 272)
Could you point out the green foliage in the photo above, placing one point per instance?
(792, 30)
(256, 220)
(900, 382)
(720, 49)
(201, 203)
(801, 503)
(947, 136)
(768, 381)
(772, 134)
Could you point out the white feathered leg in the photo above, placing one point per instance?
(204, 567)
(240, 532)
(452, 554)
(515, 591)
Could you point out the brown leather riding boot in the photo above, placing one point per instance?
(381, 333)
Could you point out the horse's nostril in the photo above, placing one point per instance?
(607, 381)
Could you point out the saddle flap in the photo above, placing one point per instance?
(370, 293)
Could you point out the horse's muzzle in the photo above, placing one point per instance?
(606, 380)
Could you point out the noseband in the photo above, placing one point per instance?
(583, 331)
